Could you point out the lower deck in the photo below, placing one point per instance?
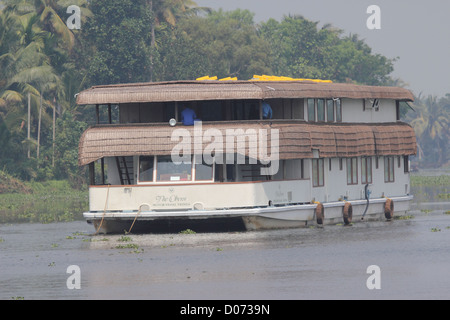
(160, 185)
(160, 193)
(270, 217)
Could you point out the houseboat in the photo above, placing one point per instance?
(260, 154)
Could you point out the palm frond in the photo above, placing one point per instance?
(11, 96)
(50, 17)
(41, 76)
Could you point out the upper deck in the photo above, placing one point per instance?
(241, 100)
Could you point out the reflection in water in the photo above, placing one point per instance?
(429, 198)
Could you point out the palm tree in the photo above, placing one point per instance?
(26, 71)
(432, 127)
(50, 13)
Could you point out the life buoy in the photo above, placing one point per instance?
(347, 213)
(389, 209)
(320, 215)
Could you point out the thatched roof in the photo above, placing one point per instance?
(232, 90)
(297, 139)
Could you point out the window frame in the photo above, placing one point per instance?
(352, 170)
(366, 170)
(321, 102)
(313, 109)
(389, 169)
(139, 170)
(194, 170)
(406, 168)
(318, 179)
(171, 181)
(193, 173)
(327, 105)
(338, 106)
(313, 112)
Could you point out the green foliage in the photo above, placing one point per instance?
(430, 120)
(120, 32)
(34, 57)
(225, 44)
(430, 181)
(66, 149)
(49, 201)
(138, 40)
(300, 49)
(187, 231)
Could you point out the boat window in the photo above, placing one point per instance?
(203, 171)
(166, 170)
(338, 110)
(169, 111)
(320, 110)
(297, 109)
(244, 110)
(330, 110)
(146, 168)
(405, 164)
(366, 170)
(251, 110)
(352, 171)
(231, 172)
(317, 172)
(388, 169)
(211, 111)
(311, 110)
(294, 169)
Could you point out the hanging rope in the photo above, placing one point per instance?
(104, 212)
(139, 211)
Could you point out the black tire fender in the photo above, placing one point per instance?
(347, 213)
(389, 209)
(320, 213)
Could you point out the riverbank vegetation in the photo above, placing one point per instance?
(430, 188)
(44, 64)
(430, 181)
(43, 202)
(53, 201)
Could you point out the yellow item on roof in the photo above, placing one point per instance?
(228, 79)
(265, 78)
(282, 78)
(207, 78)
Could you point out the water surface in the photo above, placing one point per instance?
(327, 263)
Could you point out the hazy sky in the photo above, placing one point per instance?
(418, 32)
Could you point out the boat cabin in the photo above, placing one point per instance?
(323, 143)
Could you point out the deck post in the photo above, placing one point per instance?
(97, 112)
(109, 113)
(176, 111)
(260, 110)
(92, 173)
(103, 170)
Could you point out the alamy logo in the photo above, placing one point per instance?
(374, 20)
(74, 280)
(74, 21)
(374, 280)
(218, 144)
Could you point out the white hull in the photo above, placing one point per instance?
(289, 216)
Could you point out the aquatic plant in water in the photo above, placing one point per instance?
(187, 231)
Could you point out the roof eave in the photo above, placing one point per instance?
(233, 90)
